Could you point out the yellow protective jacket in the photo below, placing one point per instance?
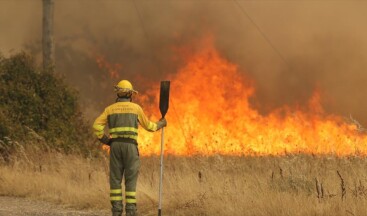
(122, 119)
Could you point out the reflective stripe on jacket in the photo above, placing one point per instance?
(122, 119)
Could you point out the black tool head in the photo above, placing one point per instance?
(164, 97)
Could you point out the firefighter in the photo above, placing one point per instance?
(122, 119)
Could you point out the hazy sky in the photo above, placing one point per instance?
(323, 43)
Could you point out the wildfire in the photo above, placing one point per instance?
(210, 114)
(112, 69)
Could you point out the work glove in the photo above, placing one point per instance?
(106, 148)
(161, 123)
(105, 140)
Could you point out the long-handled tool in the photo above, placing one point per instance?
(163, 107)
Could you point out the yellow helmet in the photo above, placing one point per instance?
(124, 88)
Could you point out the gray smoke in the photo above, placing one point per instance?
(323, 43)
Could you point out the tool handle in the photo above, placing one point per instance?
(161, 175)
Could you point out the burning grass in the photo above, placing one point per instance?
(215, 185)
(212, 113)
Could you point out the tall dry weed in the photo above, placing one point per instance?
(216, 185)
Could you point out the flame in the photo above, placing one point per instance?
(210, 114)
(112, 69)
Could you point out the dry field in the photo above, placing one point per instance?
(216, 185)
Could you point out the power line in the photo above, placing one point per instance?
(145, 32)
(261, 32)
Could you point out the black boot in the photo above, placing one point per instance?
(131, 209)
(116, 208)
(116, 213)
(131, 213)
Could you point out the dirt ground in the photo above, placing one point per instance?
(16, 206)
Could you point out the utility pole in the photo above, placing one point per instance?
(47, 36)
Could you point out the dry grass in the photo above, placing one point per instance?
(217, 185)
(64, 179)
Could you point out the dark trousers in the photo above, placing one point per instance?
(124, 161)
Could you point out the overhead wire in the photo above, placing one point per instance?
(145, 32)
(242, 9)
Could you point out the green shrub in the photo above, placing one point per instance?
(41, 102)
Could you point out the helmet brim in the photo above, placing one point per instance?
(118, 89)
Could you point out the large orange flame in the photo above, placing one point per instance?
(210, 114)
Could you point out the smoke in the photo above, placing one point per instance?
(317, 45)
